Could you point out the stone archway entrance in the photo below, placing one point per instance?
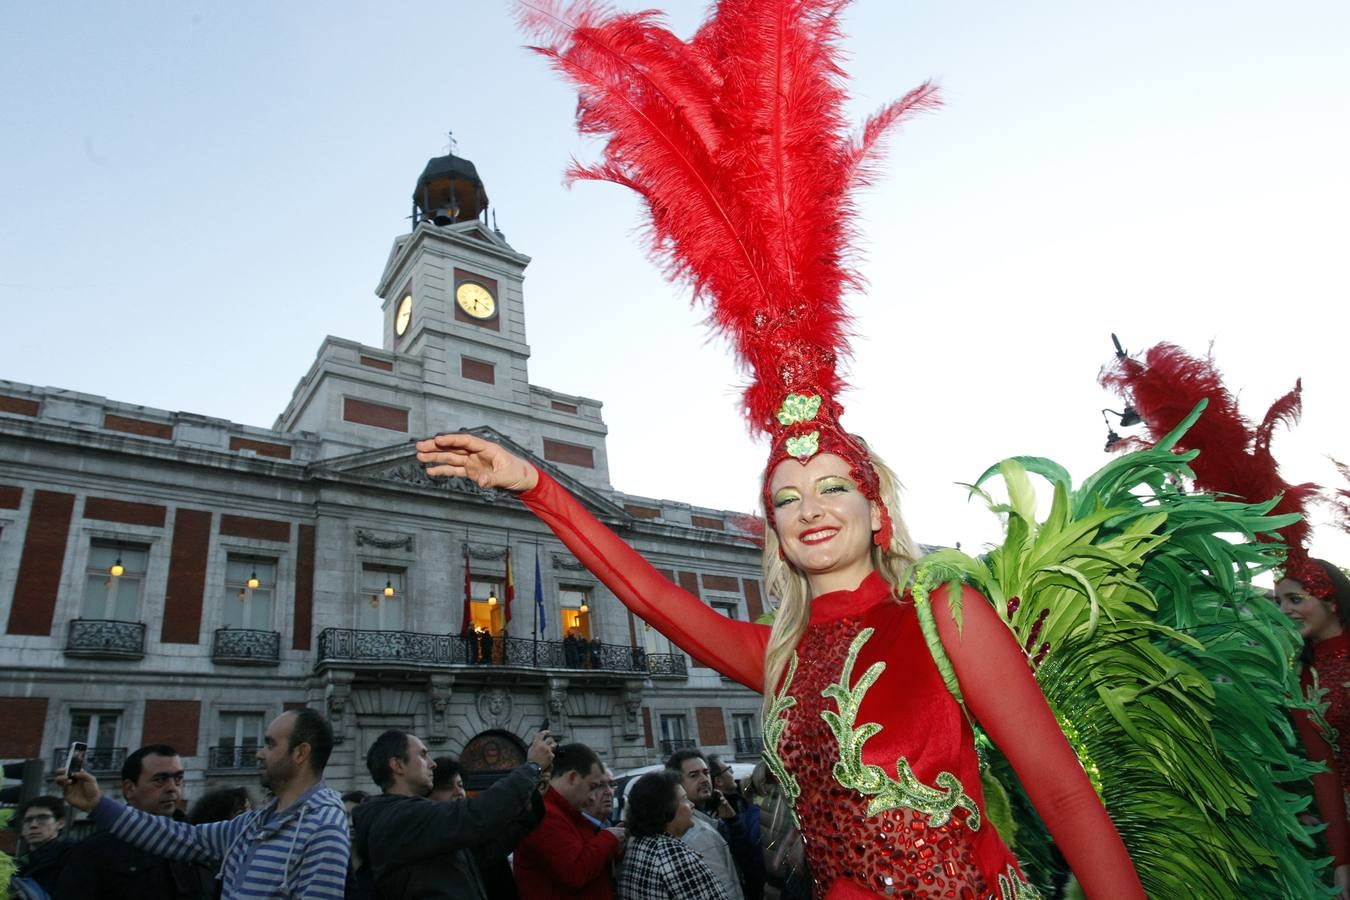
(490, 755)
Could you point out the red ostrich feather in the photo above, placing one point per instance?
(1340, 498)
(736, 141)
(1234, 456)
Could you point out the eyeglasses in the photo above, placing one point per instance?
(720, 772)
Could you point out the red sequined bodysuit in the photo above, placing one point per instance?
(1327, 739)
(867, 739)
(949, 850)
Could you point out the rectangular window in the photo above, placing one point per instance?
(744, 725)
(674, 734)
(381, 600)
(250, 585)
(674, 728)
(576, 610)
(748, 742)
(239, 740)
(488, 606)
(114, 580)
(726, 608)
(97, 728)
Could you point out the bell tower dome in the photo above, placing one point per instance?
(449, 191)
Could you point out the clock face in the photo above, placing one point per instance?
(476, 300)
(403, 316)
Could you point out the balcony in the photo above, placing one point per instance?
(749, 746)
(245, 647)
(670, 745)
(98, 760)
(338, 646)
(232, 759)
(105, 639)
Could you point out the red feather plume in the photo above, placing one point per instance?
(1340, 499)
(1234, 457)
(736, 141)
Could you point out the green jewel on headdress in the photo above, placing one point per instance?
(798, 408)
(804, 446)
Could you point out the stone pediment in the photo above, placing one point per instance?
(397, 466)
(477, 231)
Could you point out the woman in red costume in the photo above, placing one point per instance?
(876, 754)
(1321, 613)
(736, 141)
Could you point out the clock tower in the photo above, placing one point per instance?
(452, 351)
(452, 288)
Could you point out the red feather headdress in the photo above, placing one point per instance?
(1234, 457)
(736, 141)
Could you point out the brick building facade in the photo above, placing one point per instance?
(168, 576)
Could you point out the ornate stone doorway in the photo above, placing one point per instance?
(490, 755)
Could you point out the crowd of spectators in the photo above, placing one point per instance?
(544, 830)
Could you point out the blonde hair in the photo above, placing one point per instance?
(789, 587)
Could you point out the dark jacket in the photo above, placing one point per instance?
(743, 836)
(43, 865)
(105, 867)
(421, 849)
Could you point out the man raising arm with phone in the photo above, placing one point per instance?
(296, 846)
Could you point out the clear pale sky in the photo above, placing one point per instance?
(194, 194)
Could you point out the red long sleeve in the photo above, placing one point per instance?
(1002, 694)
(1327, 788)
(736, 649)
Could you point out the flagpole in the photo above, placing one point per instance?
(538, 604)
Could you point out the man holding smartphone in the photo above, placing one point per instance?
(295, 846)
(107, 867)
(413, 846)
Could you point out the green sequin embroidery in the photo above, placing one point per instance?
(774, 724)
(1012, 887)
(1316, 695)
(907, 791)
(804, 446)
(798, 408)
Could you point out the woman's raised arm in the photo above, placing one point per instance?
(736, 649)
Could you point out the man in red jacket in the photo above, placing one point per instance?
(566, 856)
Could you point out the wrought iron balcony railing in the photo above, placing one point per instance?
(341, 645)
(105, 639)
(98, 760)
(245, 757)
(246, 647)
(667, 665)
(670, 745)
(749, 746)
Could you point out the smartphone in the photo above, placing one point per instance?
(75, 758)
(544, 727)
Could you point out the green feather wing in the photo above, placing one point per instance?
(1168, 671)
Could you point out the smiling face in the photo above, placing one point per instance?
(824, 523)
(1316, 619)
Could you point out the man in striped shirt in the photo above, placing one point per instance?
(294, 847)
